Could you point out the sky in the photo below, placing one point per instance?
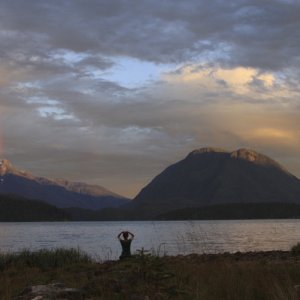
(111, 92)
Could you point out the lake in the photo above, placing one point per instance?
(99, 239)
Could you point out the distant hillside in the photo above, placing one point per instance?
(16, 209)
(235, 211)
(60, 193)
(231, 211)
(104, 214)
(210, 176)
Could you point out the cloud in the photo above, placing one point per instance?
(111, 92)
(253, 33)
(274, 133)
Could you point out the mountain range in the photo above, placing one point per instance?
(60, 193)
(208, 183)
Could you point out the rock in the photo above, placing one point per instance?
(51, 291)
(5, 166)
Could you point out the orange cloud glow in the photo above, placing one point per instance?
(274, 134)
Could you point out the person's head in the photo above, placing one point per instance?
(125, 235)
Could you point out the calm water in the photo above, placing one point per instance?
(162, 237)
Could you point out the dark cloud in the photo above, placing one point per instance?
(262, 34)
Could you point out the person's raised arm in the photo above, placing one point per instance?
(132, 235)
(119, 235)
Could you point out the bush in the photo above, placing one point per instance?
(296, 249)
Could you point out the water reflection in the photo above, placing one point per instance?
(161, 237)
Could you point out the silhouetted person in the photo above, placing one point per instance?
(125, 238)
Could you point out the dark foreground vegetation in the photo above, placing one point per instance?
(257, 275)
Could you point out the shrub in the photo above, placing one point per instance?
(296, 249)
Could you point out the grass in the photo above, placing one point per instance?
(43, 259)
(261, 276)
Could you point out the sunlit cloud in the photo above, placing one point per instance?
(240, 80)
(276, 134)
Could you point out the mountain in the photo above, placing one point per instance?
(17, 209)
(60, 193)
(211, 176)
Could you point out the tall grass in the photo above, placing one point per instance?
(145, 276)
(235, 280)
(44, 258)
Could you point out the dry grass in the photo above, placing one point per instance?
(208, 277)
(227, 278)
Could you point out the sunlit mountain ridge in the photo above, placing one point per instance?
(59, 192)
